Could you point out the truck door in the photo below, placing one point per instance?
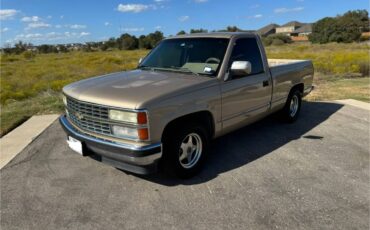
(244, 98)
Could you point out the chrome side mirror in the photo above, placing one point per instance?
(241, 68)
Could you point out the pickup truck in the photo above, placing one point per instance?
(187, 91)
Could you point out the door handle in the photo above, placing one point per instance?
(265, 83)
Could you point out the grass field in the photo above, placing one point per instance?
(32, 85)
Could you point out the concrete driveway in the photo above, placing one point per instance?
(313, 174)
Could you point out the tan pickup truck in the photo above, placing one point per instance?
(185, 92)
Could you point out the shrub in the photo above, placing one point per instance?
(276, 39)
(28, 54)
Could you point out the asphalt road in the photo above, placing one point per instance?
(313, 174)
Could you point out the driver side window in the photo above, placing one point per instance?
(246, 49)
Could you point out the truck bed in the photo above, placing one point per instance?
(277, 62)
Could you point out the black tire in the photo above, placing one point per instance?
(172, 150)
(288, 113)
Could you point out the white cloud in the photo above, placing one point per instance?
(49, 17)
(287, 10)
(61, 16)
(107, 24)
(158, 27)
(132, 29)
(133, 8)
(258, 16)
(4, 29)
(84, 34)
(38, 25)
(58, 26)
(51, 36)
(159, 1)
(77, 27)
(31, 19)
(184, 18)
(6, 14)
(200, 1)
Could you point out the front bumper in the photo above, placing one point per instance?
(133, 158)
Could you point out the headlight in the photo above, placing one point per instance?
(126, 116)
(132, 133)
(64, 100)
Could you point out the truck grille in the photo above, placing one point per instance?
(89, 117)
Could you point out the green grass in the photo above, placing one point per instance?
(32, 85)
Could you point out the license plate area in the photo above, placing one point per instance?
(75, 145)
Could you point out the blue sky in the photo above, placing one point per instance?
(66, 21)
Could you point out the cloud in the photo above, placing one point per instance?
(38, 25)
(133, 8)
(159, 1)
(158, 27)
(287, 10)
(184, 18)
(6, 14)
(107, 24)
(77, 27)
(132, 29)
(258, 16)
(58, 26)
(61, 16)
(84, 34)
(31, 19)
(4, 29)
(51, 36)
(200, 1)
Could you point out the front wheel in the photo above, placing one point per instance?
(185, 150)
(292, 107)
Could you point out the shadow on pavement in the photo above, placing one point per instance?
(252, 142)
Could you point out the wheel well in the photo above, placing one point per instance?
(299, 86)
(203, 117)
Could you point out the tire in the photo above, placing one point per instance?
(184, 150)
(292, 107)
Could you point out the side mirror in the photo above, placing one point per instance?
(140, 60)
(241, 68)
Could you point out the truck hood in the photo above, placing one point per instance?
(132, 88)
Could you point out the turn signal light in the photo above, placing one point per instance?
(143, 134)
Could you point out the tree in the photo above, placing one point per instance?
(127, 42)
(151, 40)
(194, 31)
(343, 28)
(181, 32)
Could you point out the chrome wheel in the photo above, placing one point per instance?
(294, 104)
(190, 150)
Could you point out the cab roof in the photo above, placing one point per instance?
(214, 35)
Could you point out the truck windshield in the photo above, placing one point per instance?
(200, 56)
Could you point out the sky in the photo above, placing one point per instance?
(67, 21)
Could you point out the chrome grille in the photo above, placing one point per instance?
(89, 117)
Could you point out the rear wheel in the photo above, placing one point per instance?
(292, 107)
(185, 150)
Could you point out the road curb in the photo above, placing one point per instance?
(355, 103)
(14, 142)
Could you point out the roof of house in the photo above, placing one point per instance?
(305, 28)
(293, 23)
(266, 29)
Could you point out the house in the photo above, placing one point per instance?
(304, 30)
(267, 30)
(289, 27)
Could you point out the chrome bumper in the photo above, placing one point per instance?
(133, 158)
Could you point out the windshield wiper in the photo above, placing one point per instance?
(144, 67)
(182, 69)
